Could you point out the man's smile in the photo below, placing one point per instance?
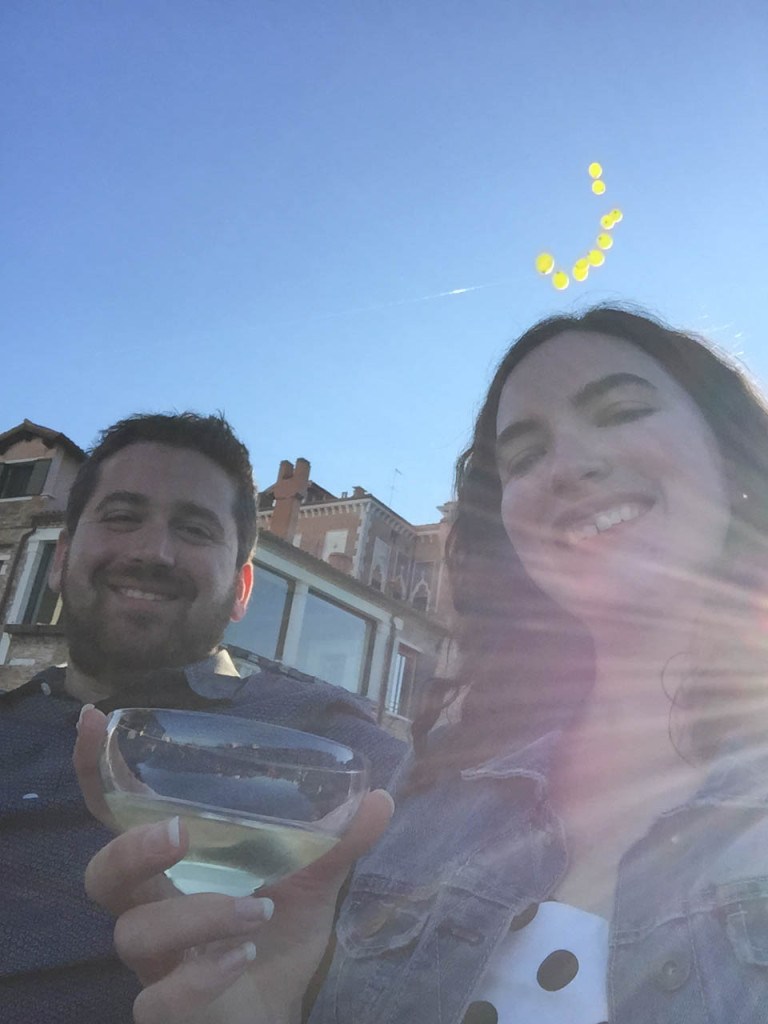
(143, 595)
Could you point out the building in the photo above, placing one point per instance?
(37, 467)
(348, 591)
(345, 589)
(363, 537)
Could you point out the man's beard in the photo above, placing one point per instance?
(103, 648)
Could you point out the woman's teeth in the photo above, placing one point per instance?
(603, 521)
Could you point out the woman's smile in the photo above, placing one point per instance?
(578, 525)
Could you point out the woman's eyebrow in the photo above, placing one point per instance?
(514, 430)
(596, 388)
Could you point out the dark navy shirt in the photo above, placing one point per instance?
(57, 965)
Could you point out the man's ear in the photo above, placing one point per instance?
(243, 592)
(59, 558)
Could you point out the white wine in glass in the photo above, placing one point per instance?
(258, 801)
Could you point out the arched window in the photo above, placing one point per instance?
(376, 578)
(420, 597)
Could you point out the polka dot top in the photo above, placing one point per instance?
(550, 968)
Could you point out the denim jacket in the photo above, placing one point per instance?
(430, 903)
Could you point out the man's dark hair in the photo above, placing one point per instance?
(211, 436)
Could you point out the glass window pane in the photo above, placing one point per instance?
(333, 643)
(41, 603)
(15, 479)
(260, 631)
(38, 476)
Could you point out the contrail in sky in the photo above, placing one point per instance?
(398, 302)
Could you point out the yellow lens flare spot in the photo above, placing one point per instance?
(580, 273)
(545, 263)
(560, 280)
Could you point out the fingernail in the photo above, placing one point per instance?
(389, 797)
(83, 709)
(160, 836)
(252, 908)
(234, 963)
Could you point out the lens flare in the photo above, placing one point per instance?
(560, 280)
(545, 263)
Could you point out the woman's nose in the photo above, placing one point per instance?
(577, 463)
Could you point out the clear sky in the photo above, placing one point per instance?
(255, 205)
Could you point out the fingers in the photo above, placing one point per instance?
(369, 824)
(185, 993)
(149, 936)
(128, 871)
(91, 730)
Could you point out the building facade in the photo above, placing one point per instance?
(37, 467)
(363, 537)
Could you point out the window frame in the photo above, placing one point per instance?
(38, 477)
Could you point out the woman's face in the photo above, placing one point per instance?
(613, 490)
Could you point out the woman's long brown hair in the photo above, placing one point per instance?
(526, 666)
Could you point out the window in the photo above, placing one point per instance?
(20, 479)
(401, 686)
(43, 605)
(379, 563)
(396, 588)
(335, 540)
(262, 629)
(334, 643)
(421, 585)
(420, 597)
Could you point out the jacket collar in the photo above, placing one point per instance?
(532, 761)
(738, 775)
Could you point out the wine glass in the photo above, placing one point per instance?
(259, 801)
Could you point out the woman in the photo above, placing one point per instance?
(591, 842)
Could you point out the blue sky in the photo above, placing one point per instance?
(255, 205)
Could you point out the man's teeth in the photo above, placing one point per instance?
(603, 521)
(142, 595)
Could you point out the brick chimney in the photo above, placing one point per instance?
(290, 489)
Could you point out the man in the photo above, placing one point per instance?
(153, 562)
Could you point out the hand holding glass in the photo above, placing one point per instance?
(259, 801)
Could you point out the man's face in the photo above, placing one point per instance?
(149, 580)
